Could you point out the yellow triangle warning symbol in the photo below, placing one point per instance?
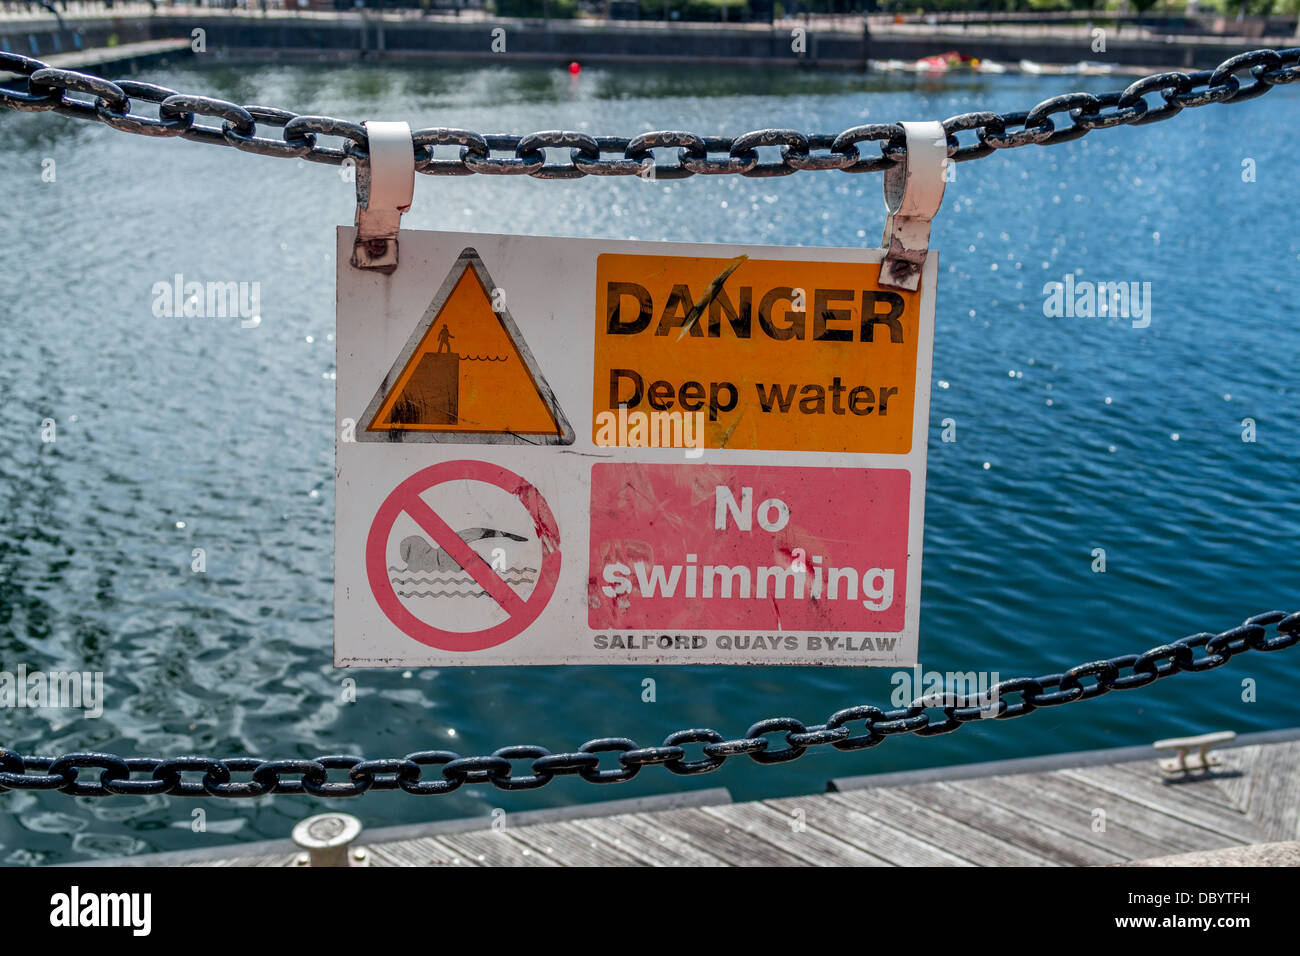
(466, 374)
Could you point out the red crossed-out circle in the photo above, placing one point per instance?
(405, 498)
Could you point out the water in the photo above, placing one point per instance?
(179, 434)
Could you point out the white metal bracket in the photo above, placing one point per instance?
(385, 187)
(913, 194)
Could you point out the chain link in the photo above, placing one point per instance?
(40, 88)
(774, 740)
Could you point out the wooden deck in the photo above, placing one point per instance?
(1089, 809)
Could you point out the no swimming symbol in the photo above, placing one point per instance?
(446, 550)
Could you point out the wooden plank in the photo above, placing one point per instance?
(818, 846)
(932, 825)
(1238, 766)
(279, 859)
(1011, 825)
(1178, 801)
(493, 848)
(1026, 796)
(1178, 834)
(729, 843)
(227, 861)
(1241, 789)
(1268, 789)
(647, 842)
(569, 846)
(1274, 804)
(421, 851)
(898, 846)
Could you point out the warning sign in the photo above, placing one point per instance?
(746, 484)
(764, 354)
(447, 579)
(466, 374)
(755, 547)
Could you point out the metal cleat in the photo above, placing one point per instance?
(1201, 760)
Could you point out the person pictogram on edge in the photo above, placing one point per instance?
(444, 339)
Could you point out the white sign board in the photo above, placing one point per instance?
(571, 451)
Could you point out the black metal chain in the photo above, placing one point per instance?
(42, 88)
(18, 772)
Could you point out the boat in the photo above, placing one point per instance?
(946, 61)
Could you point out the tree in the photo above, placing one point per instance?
(1291, 8)
(1251, 8)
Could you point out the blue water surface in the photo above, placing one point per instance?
(1072, 433)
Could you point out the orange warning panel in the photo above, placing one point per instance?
(466, 371)
(761, 354)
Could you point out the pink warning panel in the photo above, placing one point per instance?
(721, 547)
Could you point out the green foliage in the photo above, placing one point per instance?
(1227, 8)
(980, 6)
(1251, 8)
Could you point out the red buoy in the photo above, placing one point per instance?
(575, 68)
